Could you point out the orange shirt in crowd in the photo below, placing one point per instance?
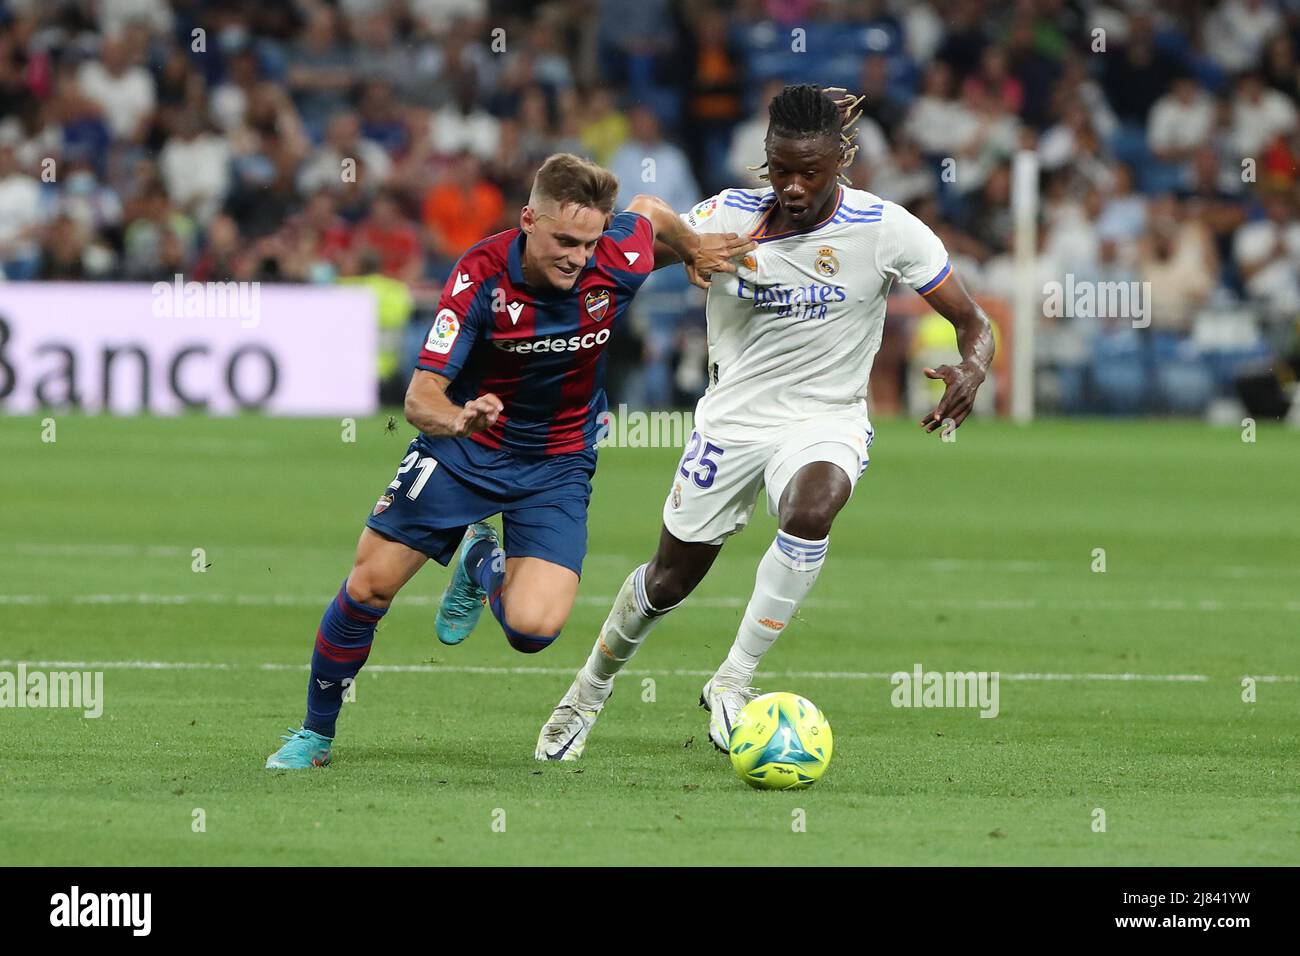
(458, 218)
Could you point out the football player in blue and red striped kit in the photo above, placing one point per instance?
(508, 398)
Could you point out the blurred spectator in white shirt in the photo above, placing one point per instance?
(115, 15)
(1073, 237)
(1236, 30)
(992, 141)
(195, 168)
(923, 30)
(939, 124)
(125, 92)
(20, 217)
(1258, 115)
(463, 126)
(1267, 254)
(438, 16)
(1180, 122)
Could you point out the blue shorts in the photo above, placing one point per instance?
(444, 484)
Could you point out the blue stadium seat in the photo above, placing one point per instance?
(1117, 374)
(1129, 144)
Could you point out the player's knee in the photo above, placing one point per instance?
(811, 501)
(365, 587)
(811, 521)
(529, 643)
(529, 634)
(665, 587)
(531, 624)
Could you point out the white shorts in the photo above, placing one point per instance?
(717, 483)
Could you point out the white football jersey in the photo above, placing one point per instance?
(793, 333)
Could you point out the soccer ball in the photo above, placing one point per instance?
(780, 742)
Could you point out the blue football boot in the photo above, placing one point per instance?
(302, 749)
(463, 601)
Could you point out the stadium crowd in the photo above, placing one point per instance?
(374, 140)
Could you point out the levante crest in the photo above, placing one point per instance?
(597, 304)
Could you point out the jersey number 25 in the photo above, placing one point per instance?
(706, 469)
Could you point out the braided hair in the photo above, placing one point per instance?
(810, 110)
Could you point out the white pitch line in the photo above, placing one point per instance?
(1136, 604)
(630, 672)
(102, 550)
(1205, 605)
(124, 665)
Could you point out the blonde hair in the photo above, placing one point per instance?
(566, 179)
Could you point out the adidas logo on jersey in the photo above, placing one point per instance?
(573, 343)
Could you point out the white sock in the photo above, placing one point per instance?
(630, 619)
(785, 576)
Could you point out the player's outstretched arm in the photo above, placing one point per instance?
(975, 342)
(430, 410)
(703, 254)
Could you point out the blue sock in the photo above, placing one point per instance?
(489, 574)
(483, 567)
(342, 646)
(523, 643)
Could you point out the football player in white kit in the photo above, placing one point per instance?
(792, 335)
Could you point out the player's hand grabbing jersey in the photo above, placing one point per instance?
(793, 333)
(541, 352)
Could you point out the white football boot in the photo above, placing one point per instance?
(564, 736)
(724, 704)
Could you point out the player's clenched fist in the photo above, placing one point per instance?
(478, 414)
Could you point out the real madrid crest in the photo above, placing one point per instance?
(827, 265)
(677, 495)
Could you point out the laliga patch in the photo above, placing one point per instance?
(702, 211)
(443, 334)
(597, 304)
(677, 495)
(382, 505)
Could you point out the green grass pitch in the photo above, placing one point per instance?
(972, 555)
